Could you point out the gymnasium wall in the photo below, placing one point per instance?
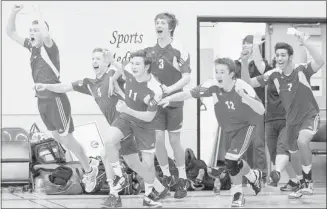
(78, 27)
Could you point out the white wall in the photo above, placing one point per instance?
(78, 27)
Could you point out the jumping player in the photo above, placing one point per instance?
(302, 110)
(54, 108)
(238, 110)
(98, 88)
(171, 66)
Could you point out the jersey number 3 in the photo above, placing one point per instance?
(230, 105)
(161, 64)
(132, 95)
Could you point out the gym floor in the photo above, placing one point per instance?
(269, 197)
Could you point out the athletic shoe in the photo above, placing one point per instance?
(181, 190)
(256, 185)
(238, 200)
(90, 179)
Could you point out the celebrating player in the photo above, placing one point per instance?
(238, 110)
(98, 88)
(137, 113)
(171, 66)
(302, 110)
(54, 108)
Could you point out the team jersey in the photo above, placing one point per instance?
(142, 96)
(164, 64)
(274, 109)
(295, 92)
(44, 63)
(99, 89)
(231, 112)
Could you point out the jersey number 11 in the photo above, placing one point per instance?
(132, 95)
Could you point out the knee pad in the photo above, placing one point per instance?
(233, 167)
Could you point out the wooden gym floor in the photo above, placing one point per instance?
(269, 197)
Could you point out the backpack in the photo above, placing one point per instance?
(62, 180)
(45, 150)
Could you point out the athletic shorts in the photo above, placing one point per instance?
(237, 142)
(170, 119)
(144, 137)
(292, 131)
(276, 138)
(56, 114)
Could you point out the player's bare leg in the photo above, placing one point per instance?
(306, 184)
(162, 157)
(114, 199)
(179, 155)
(146, 170)
(72, 144)
(113, 156)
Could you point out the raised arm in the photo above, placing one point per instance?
(257, 57)
(44, 28)
(318, 60)
(245, 75)
(11, 25)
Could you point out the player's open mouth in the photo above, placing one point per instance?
(32, 39)
(96, 67)
(134, 71)
(159, 31)
(220, 81)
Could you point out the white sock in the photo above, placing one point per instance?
(165, 170)
(251, 176)
(117, 169)
(158, 186)
(182, 172)
(306, 169)
(236, 188)
(147, 188)
(111, 187)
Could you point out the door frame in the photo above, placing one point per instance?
(258, 19)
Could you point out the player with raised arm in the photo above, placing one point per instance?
(302, 111)
(54, 108)
(171, 66)
(98, 88)
(238, 110)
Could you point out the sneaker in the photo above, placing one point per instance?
(290, 186)
(120, 183)
(256, 185)
(308, 189)
(163, 195)
(238, 200)
(275, 177)
(148, 201)
(90, 180)
(181, 190)
(112, 202)
(168, 181)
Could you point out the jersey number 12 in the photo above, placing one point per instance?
(230, 105)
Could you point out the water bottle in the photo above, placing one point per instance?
(216, 189)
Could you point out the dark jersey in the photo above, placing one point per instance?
(99, 89)
(295, 92)
(274, 109)
(231, 112)
(164, 65)
(45, 65)
(142, 96)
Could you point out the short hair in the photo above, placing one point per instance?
(98, 49)
(286, 46)
(248, 39)
(35, 22)
(229, 63)
(171, 19)
(142, 53)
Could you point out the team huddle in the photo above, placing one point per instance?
(144, 98)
